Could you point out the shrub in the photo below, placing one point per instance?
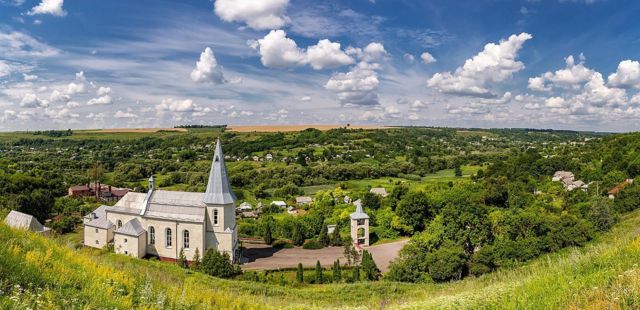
(282, 244)
(312, 244)
(218, 265)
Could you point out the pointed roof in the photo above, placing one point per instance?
(21, 220)
(218, 188)
(359, 214)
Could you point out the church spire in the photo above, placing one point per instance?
(218, 188)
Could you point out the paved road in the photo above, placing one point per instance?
(260, 256)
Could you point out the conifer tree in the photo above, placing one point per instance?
(298, 237)
(323, 238)
(182, 259)
(337, 273)
(355, 276)
(268, 235)
(195, 263)
(319, 278)
(300, 273)
(371, 271)
(335, 237)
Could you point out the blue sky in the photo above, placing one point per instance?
(100, 64)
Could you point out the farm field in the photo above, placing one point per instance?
(291, 128)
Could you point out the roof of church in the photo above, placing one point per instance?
(218, 188)
(101, 222)
(21, 220)
(131, 228)
(359, 214)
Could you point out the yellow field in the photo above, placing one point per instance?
(134, 130)
(288, 128)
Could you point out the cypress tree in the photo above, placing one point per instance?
(298, 237)
(182, 259)
(371, 271)
(335, 237)
(355, 276)
(323, 238)
(268, 237)
(319, 278)
(337, 276)
(300, 274)
(195, 263)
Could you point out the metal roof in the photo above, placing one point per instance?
(131, 228)
(21, 220)
(101, 222)
(359, 214)
(218, 188)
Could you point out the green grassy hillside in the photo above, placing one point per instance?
(37, 272)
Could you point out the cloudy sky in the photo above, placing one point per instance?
(564, 64)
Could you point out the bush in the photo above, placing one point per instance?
(312, 244)
(282, 244)
(218, 265)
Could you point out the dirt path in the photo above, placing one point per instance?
(262, 257)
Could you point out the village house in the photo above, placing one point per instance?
(616, 189)
(279, 203)
(21, 220)
(245, 206)
(303, 200)
(568, 181)
(380, 191)
(161, 223)
(106, 192)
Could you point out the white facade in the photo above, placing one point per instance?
(360, 226)
(161, 223)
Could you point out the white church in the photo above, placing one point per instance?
(161, 223)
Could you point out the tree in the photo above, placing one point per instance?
(601, 214)
(268, 234)
(336, 240)
(396, 195)
(446, 263)
(355, 276)
(300, 274)
(368, 265)
(319, 277)
(298, 236)
(415, 209)
(195, 263)
(218, 265)
(458, 171)
(337, 273)
(323, 238)
(371, 201)
(182, 259)
(350, 253)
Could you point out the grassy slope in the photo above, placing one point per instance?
(604, 274)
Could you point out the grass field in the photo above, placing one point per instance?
(604, 274)
(37, 272)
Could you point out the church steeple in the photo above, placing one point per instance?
(218, 188)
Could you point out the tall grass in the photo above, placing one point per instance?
(42, 273)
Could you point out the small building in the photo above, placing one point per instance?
(360, 226)
(245, 206)
(346, 199)
(131, 239)
(268, 157)
(616, 189)
(25, 221)
(331, 229)
(562, 175)
(80, 191)
(279, 203)
(249, 214)
(303, 200)
(380, 191)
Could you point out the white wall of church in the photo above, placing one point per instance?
(97, 237)
(160, 248)
(130, 245)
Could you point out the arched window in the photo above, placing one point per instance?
(119, 223)
(360, 232)
(152, 235)
(168, 237)
(215, 216)
(185, 239)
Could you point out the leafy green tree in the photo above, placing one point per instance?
(337, 272)
(298, 234)
(336, 240)
(628, 199)
(458, 171)
(397, 193)
(300, 274)
(601, 214)
(371, 201)
(415, 209)
(218, 265)
(323, 238)
(446, 263)
(319, 277)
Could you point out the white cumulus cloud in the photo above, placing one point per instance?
(257, 14)
(427, 58)
(207, 69)
(51, 7)
(356, 87)
(627, 75)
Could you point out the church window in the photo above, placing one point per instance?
(168, 237)
(96, 230)
(119, 223)
(152, 235)
(125, 240)
(97, 242)
(215, 216)
(185, 239)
